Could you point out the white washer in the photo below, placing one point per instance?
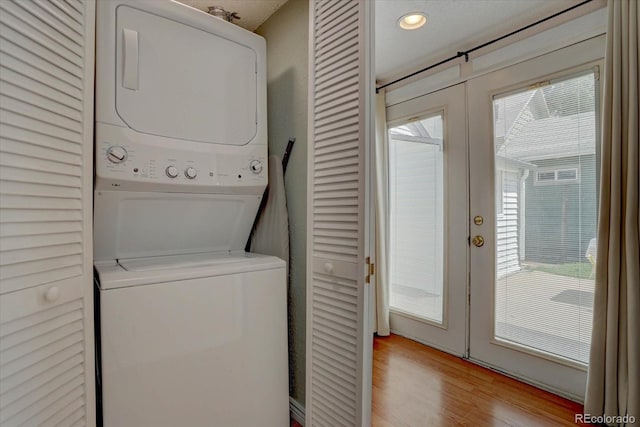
(194, 340)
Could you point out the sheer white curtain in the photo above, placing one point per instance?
(382, 216)
(614, 366)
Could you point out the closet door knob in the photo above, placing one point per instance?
(52, 294)
(328, 267)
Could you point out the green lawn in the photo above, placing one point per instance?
(579, 270)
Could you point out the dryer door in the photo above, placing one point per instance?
(181, 82)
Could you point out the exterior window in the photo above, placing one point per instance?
(567, 175)
(556, 176)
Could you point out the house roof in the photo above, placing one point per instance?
(552, 137)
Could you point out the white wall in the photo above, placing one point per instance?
(287, 33)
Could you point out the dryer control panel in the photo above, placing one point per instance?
(128, 160)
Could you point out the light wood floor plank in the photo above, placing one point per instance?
(417, 386)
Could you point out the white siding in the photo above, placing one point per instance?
(416, 205)
(507, 257)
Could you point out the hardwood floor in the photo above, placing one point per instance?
(417, 386)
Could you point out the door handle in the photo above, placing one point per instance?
(478, 241)
(130, 59)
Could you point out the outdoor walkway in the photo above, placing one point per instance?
(546, 311)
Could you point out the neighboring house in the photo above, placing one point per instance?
(546, 173)
(416, 174)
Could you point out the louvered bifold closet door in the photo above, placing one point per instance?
(46, 145)
(338, 376)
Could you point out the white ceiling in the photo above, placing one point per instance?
(452, 26)
(252, 12)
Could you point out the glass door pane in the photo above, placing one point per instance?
(416, 188)
(546, 210)
(428, 210)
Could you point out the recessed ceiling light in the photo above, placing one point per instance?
(412, 21)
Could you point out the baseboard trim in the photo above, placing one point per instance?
(296, 410)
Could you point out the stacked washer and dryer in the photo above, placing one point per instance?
(192, 330)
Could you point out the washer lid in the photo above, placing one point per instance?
(174, 262)
(144, 271)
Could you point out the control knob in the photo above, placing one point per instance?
(116, 154)
(255, 166)
(171, 171)
(190, 172)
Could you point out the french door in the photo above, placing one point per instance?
(533, 212)
(493, 211)
(427, 152)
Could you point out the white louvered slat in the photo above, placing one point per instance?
(47, 103)
(339, 32)
(14, 272)
(29, 108)
(40, 354)
(337, 378)
(33, 279)
(43, 28)
(38, 52)
(32, 73)
(33, 373)
(25, 215)
(29, 393)
(46, 146)
(51, 404)
(340, 60)
(18, 134)
(60, 19)
(323, 11)
(76, 4)
(344, 39)
(336, 93)
(335, 79)
(43, 190)
(337, 390)
(22, 229)
(68, 10)
(37, 152)
(33, 175)
(45, 165)
(331, 369)
(38, 203)
(69, 415)
(11, 118)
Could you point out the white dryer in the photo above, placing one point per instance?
(193, 330)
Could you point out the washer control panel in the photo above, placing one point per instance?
(141, 164)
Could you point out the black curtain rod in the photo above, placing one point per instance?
(466, 53)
